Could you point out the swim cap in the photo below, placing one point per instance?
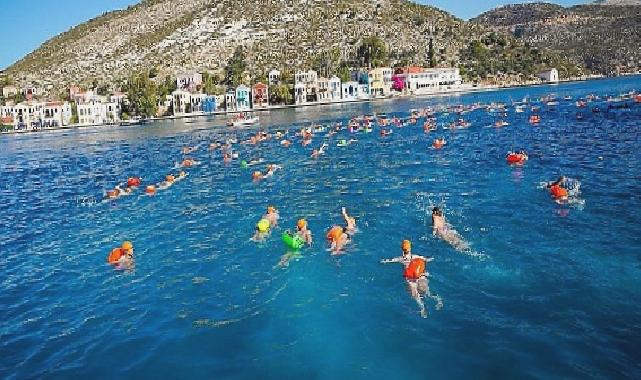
(271, 209)
(263, 225)
(406, 245)
(127, 245)
(302, 223)
(169, 178)
(256, 174)
(150, 189)
(182, 173)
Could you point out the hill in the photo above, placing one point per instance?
(170, 36)
(603, 37)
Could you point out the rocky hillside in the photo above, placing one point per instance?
(178, 35)
(603, 37)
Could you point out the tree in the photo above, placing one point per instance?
(143, 95)
(343, 72)
(431, 54)
(281, 94)
(167, 86)
(74, 113)
(372, 52)
(236, 67)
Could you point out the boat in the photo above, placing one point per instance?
(243, 120)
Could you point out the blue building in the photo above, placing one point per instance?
(209, 104)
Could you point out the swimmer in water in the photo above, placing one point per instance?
(272, 216)
(167, 183)
(262, 231)
(558, 191)
(350, 222)
(443, 230)
(319, 152)
(122, 257)
(303, 232)
(271, 169)
(416, 276)
(337, 239)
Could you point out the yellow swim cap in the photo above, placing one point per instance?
(263, 225)
(302, 223)
(127, 245)
(406, 245)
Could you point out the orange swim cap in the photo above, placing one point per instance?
(170, 178)
(113, 193)
(406, 245)
(302, 223)
(150, 189)
(127, 245)
(256, 174)
(186, 163)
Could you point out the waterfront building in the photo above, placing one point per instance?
(427, 80)
(209, 104)
(260, 95)
(334, 88)
(273, 77)
(300, 93)
(380, 81)
(56, 114)
(181, 102)
(196, 102)
(96, 112)
(323, 90)
(243, 98)
(230, 99)
(310, 80)
(549, 76)
(350, 91)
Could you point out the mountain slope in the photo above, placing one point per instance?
(604, 38)
(177, 35)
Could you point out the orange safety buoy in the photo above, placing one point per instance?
(133, 181)
(115, 255)
(415, 269)
(558, 192)
(334, 233)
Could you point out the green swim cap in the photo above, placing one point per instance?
(263, 226)
(243, 164)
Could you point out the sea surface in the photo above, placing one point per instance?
(548, 291)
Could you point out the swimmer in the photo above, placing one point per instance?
(257, 176)
(416, 276)
(303, 232)
(337, 239)
(439, 143)
(122, 257)
(443, 230)
(188, 162)
(189, 149)
(272, 216)
(319, 152)
(350, 222)
(385, 133)
(181, 174)
(285, 143)
(113, 193)
(133, 181)
(255, 161)
(167, 183)
(558, 191)
(262, 231)
(271, 169)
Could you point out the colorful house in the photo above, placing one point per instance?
(380, 81)
(243, 98)
(209, 104)
(260, 95)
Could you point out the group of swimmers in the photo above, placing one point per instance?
(338, 236)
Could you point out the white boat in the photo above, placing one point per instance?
(242, 120)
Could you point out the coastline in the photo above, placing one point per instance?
(467, 89)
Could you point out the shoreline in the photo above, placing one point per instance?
(468, 89)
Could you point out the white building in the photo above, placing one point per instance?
(97, 112)
(181, 102)
(273, 77)
(350, 91)
(300, 93)
(432, 80)
(334, 89)
(310, 80)
(323, 90)
(9, 91)
(189, 81)
(56, 114)
(549, 76)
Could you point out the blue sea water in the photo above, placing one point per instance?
(557, 296)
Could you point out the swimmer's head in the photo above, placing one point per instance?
(406, 246)
(169, 178)
(182, 174)
(151, 189)
(256, 174)
(127, 245)
(301, 224)
(271, 209)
